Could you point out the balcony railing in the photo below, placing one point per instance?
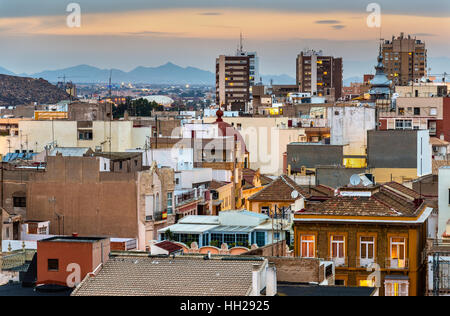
(189, 196)
(339, 262)
(397, 264)
(365, 262)
(155, 217)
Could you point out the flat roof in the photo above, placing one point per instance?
(73, 239)
(233, 229)
(187, 228)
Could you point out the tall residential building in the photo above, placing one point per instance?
(405, 59)
(320, 75)
(233, 82)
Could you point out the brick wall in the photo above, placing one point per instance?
(443, 127)
(297, 270)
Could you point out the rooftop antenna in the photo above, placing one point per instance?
(241, 46)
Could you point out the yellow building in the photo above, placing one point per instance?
(222, 196)
(374, 235)
(253, 183)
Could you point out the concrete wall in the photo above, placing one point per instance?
(349, 126)
(444, 200)
(392, 149)
(335, 177)
(312, 156)
(88, 202)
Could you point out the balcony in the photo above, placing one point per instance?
(364, 262)
(339, 262)
(156, 217)
(397, 264)
(189, 196)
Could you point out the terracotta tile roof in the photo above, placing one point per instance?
(384, 202)
(280, 190)
(179, 276)
(434, 141)
(403, 189)
(249, 175)
(169, 246)
(321, 191)
(214, 185)
(437, 164)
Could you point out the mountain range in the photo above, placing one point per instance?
(170, 73)
(165, 74)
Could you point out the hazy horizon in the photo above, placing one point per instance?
(125, 35)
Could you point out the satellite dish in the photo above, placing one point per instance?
(294, 194)
(355, 180)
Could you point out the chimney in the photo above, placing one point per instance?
(256, 280)
(75, 235)
(271, 280)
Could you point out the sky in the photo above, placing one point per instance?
(34, 34)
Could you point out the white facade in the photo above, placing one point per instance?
(444, 200)
(187, 179)
(424, 154)
(35, 135)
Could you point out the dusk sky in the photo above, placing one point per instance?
(126, 34)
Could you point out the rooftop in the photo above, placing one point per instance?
(390, 200)
(73, 239)
(118, 155)
(280, 189)
(131, 275)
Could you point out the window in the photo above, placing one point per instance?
(229, 239)
(85, 135)
(433, 111)
(337, 246)
(242, 240)
(367, 283)
(169, 202)
(396, 288)
(416, 111)
(265, 210)
(19, 201)
(367, 251)
(261, 239)
(401, 111)
(397, 259)
(53, 265)
(216, 240)
(308, 246)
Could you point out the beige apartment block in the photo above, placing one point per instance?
(116, 136)
(266, 139)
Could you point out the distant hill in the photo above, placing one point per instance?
(278, 79)
(165, 74)
(21, 90)
(356, 79)
(4, 71)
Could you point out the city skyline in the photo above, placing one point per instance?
(37, 38)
